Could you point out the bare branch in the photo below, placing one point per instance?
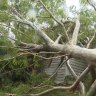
(50, 90)
(82, 75)
(71, 70)
(76, 31)
(49, 52)
(36, 54)
(58, 39)
(90, 41)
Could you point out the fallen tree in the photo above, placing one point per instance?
(70, 49)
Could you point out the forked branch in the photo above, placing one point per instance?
(58, 39)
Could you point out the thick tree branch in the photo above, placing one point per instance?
(74, 51)
(76, 31)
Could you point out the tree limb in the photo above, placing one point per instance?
(76, 31)
(73, 51)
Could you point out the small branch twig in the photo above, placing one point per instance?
(90, 41)
(58, 39)
(44, 52)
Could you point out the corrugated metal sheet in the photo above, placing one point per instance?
(77, 65)
(49, 70)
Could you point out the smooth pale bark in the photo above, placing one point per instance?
(76, 52)
(73, 51)
(76, 31)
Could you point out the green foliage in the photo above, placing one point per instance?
(16, 74)
(83, 1)
(3, 5)
(23, 7)
(3, 16)
(21, 89)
